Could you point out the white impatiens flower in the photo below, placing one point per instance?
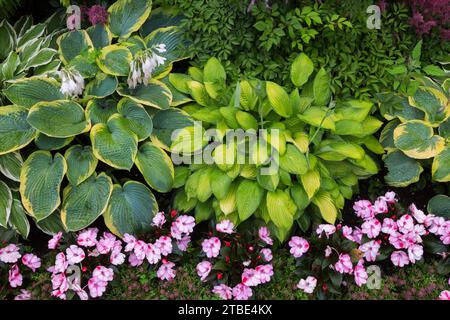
(72, 83)
(143, 65)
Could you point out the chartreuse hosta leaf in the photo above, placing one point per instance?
(130, 209)
(321, 88)
(293, 161)
(59, 119)
(324, 202)
(155, 94)
(214, 77)
(40, 183)
(301, 69)
(10, 165)
(114, 143)
(311, 182)
(83, 204)
(136, 117)
(441, 166)
(417, 140)
(15, 131)
(115, 60)
(29, 91)
(156, 167)
(248, 197)
(18, 219)
(73, 43)
(281, 208)
(5, 204)
(127, 16)
(402, 170)
(318, 117)
(81, 163)
(279, 99)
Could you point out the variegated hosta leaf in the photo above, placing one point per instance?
(10, 165)
(15, 131)
(29, 91)
(73, 43)
(402, 170)
(159, 18)
(44, 142)
(248, 198)
(433, 102)
(178, 98)
(439, 205)
(115, 60)
(100, 35)
(5, 204)
(136, 117)
(441, 166)
(100, 110)
(127, 16)
(40, 183)
(83, 204)
(417, 140)
(155, 94)
(52, 224)
(81, 163)
(156, 167)
(130, 209)
(18, 219)
(59, 119)
(102, 86)
(114, 143)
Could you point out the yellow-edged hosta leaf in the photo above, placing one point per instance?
(433, 102)
(127, 16)
(402, 170)
(441, 166)
(155, 94)
(136, 118)
(115, 60)
(73, 43)
(10, 165)
(81, 163)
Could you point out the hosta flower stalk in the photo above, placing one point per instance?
(72, 82)
(143, 65)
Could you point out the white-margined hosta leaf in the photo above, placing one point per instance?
(5, 204)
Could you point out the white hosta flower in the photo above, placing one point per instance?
(143, 66)
(161, 47)
(72, 83)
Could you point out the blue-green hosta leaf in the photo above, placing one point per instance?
(136, 117)
(248, 198)
(40, 183)
(301, 69)
(160, 18)
(114, 143)
(387, 135)
(156, 167)
(444, 129)
(100, 35)
(155, 94)
(44, 142)
(433, 102)
(18, 219)
(417, 140)
(52, 224)
(83, 204)
(115, 60)
(439, 205)
(100, 110)
(72, 44)
(59, 119)
(6, 200)
(165, 122)
(281, 208)
(29, 91)
(81, 163)
(441, 166)
(130, 209)
(402, 170)
(102, 86)
(127, 16)
(10, 165)
(279, 99)
(15, 131)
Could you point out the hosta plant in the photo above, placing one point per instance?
(79, 136)
(318, 147)
(418, 132)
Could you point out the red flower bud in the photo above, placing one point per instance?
(84, 269)
(324, 287)
(227, 259)
(258, 257)
(219, 276)
(173, 213)
(227, 244)
(250, 248)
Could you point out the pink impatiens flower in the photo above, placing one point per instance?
(307, 285)
(117, 257)
(96, 287)
(211, 247)
(102, 273)
(344, 265)
(88, 238)
(31, 261)
(415, 253)
(299, 246)
(389, 226)
(399, 258)
(183, 243)
(265, 272)
(203, 269)
(267, 254)
(329, 229)
(380, 206)
(159, 219)
(153, 254)
(61, 263)
(226, 226)
(390, 197)
(405, 224)
(10, 254)
(223, 291)
(371, 228)
(370, 250)
(347, 233)
(24, 295)
(264, 235)
(185, 224)
(364, 209)
(242, 292)
(166, 272)
(417, 214)
(106, 243)
(360, 274)
(75, 254)
(14, 277)
(53, 243)
(250, 277)
(164, 244)
(445, 295)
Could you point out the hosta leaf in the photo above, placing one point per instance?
(326, 206)
(311, 182)
(439, 205)
(417, 140)
(178, 98)
(127, 16)
(155, 94)
(182, 203)
(203, 185)
(52, 224)
(199, 93)
(44, 142)
(268, 181)
(40, 183)
(293, 161)
(279, 99)
(318, 117)
(130, 209)
(6, 200)
(402, 170)
(15, 131)
(100, 35)
(387, 135)
(81, 163)
(180, 176)
(441, 166)
(300, 197)
(220, 183)
(10, 165)
(100, 110)
(102, 86)
(322, 88)
(248, 197)
(355, 110)
(281, 208)
(42, 57)
(114, 143)
(433, 102)
(59, 119)
(214, 77)
(19, 220)
(165, 122)
(72, 44)
(29, 91)
(301, 69)
(188, 140)
(136, 118)
(156, 167)
(84, 203)
(203, 211)
(115, 60)
(228, 203)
